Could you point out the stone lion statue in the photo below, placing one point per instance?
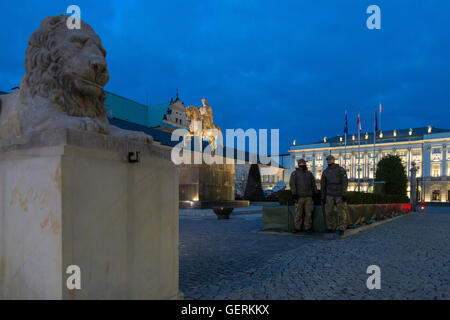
(65, 73)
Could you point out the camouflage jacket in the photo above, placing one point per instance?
(302, 183)
(334, 181)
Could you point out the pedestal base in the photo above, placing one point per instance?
(72, 198)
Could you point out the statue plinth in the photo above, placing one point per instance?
(72, 198)
(204, 186)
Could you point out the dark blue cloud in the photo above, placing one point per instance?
(292, 65)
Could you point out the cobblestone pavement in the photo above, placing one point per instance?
(222, 259)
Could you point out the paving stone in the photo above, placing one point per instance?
(225, 260)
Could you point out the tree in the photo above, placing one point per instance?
(391, 170)
(253, 190)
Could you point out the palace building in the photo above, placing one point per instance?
(425, 146)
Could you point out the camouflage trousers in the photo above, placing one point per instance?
(329, 212)
(307, 204)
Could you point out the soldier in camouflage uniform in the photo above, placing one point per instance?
(303, 187)
(333, 187)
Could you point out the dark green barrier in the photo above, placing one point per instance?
(281, 218)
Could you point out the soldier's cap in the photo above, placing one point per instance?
(301, 161)
(330, 157)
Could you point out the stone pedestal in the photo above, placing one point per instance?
(204, 186)
(72, 198)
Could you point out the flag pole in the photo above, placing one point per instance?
(345, 153)
(345, 143)
(381, 128)
(375, 128)
(359, 146)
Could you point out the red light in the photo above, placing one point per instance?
(422, 208)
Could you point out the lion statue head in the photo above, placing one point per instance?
(67, 67)
(65, 73)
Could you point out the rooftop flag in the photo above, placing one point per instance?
(359, 124)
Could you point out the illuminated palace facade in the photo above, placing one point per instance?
(426, 147)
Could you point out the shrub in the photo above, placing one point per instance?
(392, 170)
(374, 198)
(253, 189)
(285, 198)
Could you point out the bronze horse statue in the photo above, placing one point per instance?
(202, 127)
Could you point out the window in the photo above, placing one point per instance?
(419, 172)
(359, 172)
(318, 173)
(319, 158)
(436, 195)
(436, 151)
(435, 170)
(371, 172)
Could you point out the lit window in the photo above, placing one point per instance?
(318, 173)
(436, 151)
(436, 170)
(436, 195)
(371, 171)
(419, 172)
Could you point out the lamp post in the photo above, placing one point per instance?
(413, 186)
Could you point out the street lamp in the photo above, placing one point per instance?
(414, 185)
